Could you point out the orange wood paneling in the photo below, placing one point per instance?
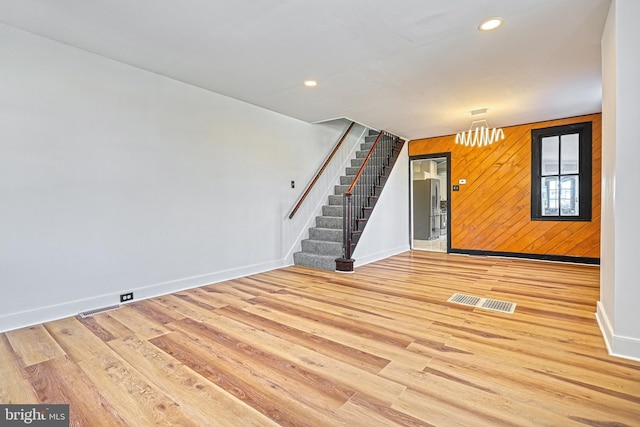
(492, 211)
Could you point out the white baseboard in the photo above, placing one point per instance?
(625, 347)
(367, 259)
(39, 315)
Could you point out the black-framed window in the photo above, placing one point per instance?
(561, 173)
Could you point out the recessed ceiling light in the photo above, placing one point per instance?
(490, 24)
(310, 83)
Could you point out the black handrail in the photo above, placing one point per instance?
(359, 199)
(324, 166)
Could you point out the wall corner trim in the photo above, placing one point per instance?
(624, 347)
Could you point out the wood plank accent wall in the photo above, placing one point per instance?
(492, 211)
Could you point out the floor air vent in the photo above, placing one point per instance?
(484, 303)
(98, 310)
(464, 299)
(501, 306)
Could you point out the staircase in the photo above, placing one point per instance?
(325, 242)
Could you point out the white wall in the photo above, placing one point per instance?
(387, 231)
(617, 314)
(113, 179)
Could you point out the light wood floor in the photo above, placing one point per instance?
(299, 347)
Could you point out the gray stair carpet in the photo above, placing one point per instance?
(324, 244)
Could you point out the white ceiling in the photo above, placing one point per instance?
(413, 67)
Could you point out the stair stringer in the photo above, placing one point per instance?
(320, 194)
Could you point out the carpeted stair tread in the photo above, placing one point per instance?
(336, 200)
(332, 210)
(322, 247)
(347, 179)
(322, 262)
(329, 222)
(327, 234)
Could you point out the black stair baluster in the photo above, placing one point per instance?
(364, 192)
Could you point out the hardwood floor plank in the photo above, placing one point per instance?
(552, 397)
(537, 355)
(212, 293)
(353, 322)
(12, 366)
(396, 325)
(441, 410)
(141, 324)
(185, 308)
(296, 277)
(354, 414)
(379, 347)
(236, 290)
(138, 401)
(261, 393)
(332, 349)
(256, 285)
(307, 385)
(370, 408)
(96, 329)
(78, 342)
(557, 331)
(483, 402)
(14, 387)
(62, 381)
(185, 386)
(328, 331)
(341, 374)
(105, 327)
(507, 375)
(17, 391)
(373, 300)
(155, 311)
(34, 345)
(205, 299)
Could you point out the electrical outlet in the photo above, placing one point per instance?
(126, 297)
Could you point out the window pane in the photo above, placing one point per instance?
(549, 196)
(569, 196)
(569, 153)
(550, 153)
(561, 166)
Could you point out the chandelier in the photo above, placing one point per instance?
(479, 135)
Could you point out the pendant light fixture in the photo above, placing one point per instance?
(479, 134)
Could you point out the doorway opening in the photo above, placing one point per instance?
(430, 212)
